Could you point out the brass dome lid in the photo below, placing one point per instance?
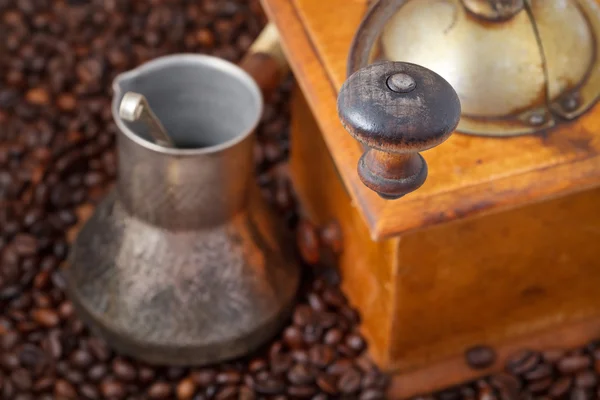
(518, 66)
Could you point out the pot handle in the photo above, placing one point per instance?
(265, 61)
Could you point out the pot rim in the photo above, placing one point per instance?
(187, 58)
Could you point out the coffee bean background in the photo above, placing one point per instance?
(57, 160)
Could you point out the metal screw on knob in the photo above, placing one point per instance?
(397, 110)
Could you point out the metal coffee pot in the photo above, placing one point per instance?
(183, 263)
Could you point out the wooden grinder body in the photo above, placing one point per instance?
(499, 247)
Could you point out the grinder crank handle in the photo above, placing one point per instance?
(397, 110)
(265, 61)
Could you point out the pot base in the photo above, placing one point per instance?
(184, 297)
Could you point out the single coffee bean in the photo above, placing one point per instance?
(89, 391)
(355, 342)
(281, 363)
(21, 378)
(372, 394)
(159, 390)
(228, 378)
(97, 372)
(63, 389)
(552, 356)
(81, 359)
(257, 364)
(204, 377)
(111, 388)
(540, 372)
(523, 362)
(292, 336)
(321, 355)
(308, 240)
(328, 384)
(506, 383)
(299, 374)
(270, 386)
(540, 386)
(480, 357)
(146, 374)
(580, 394)
(573, 364)
(123, 370)
(303, 392)
(349, 382)
(185, 389)
(586, 379)
(331, 236)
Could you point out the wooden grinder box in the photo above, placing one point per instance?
(500, 247)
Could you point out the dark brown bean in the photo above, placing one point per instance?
(321, 355)
(123, 370)
(573, 364)
(523, 362)
(560, 387)
(292, 336)
(349, 381)
(159, 390)
(586, 379)
(300, 375)
(111, 388)
(480, 357)
(540, 372)
(186, 389)
(307, 238)
(63, 389)
(328, 384)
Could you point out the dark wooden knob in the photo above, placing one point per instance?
(397, 110)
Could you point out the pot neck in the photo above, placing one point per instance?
(183, 192)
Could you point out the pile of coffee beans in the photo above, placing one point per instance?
(57, 160)
(551, 374)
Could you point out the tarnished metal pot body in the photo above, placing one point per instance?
(183, 263)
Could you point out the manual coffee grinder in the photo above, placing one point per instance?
(183, 263)
(497, 248)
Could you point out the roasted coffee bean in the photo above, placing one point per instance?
(328, 384)
(159, 390)
(270, 386)
(303, 391)
(586, 379)
(479, 357)
(349, 382)
(204, 377)
(560, 387)
(228, 378)
(308, 242)
(540, 372)
(123, 370)
(81, 359)
(63, 389)
(21, 378)
(89, 391)
(186, 389)
(552, 356)
(523, 362)
(97, 372)
(321, 355)
(292, 336)
(573, 364)
(111, 388)
(300, 375)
